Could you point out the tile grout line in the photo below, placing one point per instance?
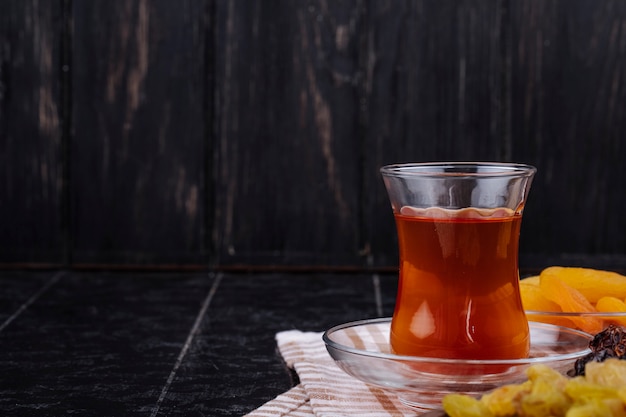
(55, 278)
(190, 337)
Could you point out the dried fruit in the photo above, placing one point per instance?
(576, 290)
(531, 280)
(600, 393)
(534, 300)
(592, 283)
(459, 405)
(570, 300)
(607, 373)
(545, 399)
(612, 305)
(609, 343)
(504, 401)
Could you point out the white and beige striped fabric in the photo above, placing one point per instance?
(324, 389)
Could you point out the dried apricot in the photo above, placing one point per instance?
(534, 300)
(610, 304)
(570, 300)
(531, 280)
(592, 283)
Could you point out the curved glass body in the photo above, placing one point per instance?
(458, 230)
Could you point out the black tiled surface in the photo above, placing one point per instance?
(176, 344)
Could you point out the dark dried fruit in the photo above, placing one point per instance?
(609, 343)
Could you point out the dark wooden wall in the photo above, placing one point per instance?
(250, 133)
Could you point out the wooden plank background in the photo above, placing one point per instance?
(249, 134)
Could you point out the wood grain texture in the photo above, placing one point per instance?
(236, 134)
(434, 92)
(568, 117)
(287, 143)
(139, 148)
(31, 170)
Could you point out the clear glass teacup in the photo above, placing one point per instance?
(458, 226)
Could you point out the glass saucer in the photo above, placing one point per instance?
(361, 349)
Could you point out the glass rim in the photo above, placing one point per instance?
(458, 169)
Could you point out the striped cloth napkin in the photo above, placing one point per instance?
(324, 389)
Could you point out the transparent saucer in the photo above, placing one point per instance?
(361, 349)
